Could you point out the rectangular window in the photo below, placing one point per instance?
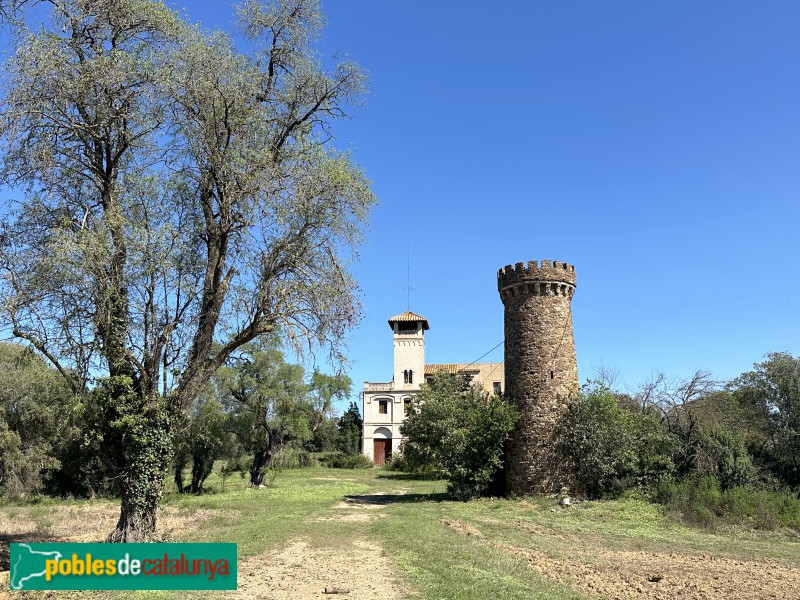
(383, 407)
(498, 388)
(410, 376)
(406, 406)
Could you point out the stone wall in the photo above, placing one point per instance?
(541, 370)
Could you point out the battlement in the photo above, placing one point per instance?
(553, 277)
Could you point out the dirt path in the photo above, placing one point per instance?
(357, 568)
(302, 569)
(633, 574)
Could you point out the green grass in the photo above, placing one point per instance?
(443, 564)
(432, 559)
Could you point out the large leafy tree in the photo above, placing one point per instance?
(175, 200)
(36, 422)
(772, 392)
(350, 428)
(269, 404)
(201, 438)
(324, 390)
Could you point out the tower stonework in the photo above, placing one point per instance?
(541, 369)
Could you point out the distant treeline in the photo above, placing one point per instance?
(711, 450)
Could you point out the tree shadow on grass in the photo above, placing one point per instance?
(386, 499)
(410, 476)
(6, 539)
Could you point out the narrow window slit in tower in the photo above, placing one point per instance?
(552, 374)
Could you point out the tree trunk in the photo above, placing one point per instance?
(139, 510)
(179, 477)
(138, 445)
(136, 524)
(201, 469)
(260, 460)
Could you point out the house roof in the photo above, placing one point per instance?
(451, 368)
(407, 316)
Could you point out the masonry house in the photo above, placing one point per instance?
(386, 404)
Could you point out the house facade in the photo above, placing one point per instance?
(386, 404)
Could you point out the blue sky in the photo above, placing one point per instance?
(655, 146)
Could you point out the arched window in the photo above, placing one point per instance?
(410, 376)
(405, 376)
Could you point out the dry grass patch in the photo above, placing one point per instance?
(89, 522)
(83, 522)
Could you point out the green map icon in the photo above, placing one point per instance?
(28, 564)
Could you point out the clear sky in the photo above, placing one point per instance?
(656, 146)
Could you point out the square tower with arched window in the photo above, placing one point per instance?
(409, 349)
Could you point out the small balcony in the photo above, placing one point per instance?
(378, 387)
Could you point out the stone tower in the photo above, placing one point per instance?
(540, 365)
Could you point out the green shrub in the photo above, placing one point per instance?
(702, 501)
(398, 462)
(455, 428)
(611, 449)
(722, 454)
(293, 458)
(347, 461)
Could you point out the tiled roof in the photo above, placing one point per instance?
(452, 368)
(409, 316)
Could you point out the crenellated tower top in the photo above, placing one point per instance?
(552, 278)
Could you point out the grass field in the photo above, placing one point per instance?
(383, 534)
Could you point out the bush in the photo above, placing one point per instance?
(611, 449)
(722, 454)
(38, 432)
(398, 462)
(702, 501)
(347, 461)
(21, 470)
(293, 458)
(455, 428)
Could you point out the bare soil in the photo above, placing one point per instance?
(89, 523)
(355, 569)
(358, 569)
(630, 574)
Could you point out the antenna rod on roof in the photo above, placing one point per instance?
(408, 278)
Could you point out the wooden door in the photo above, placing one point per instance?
(383, 451)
